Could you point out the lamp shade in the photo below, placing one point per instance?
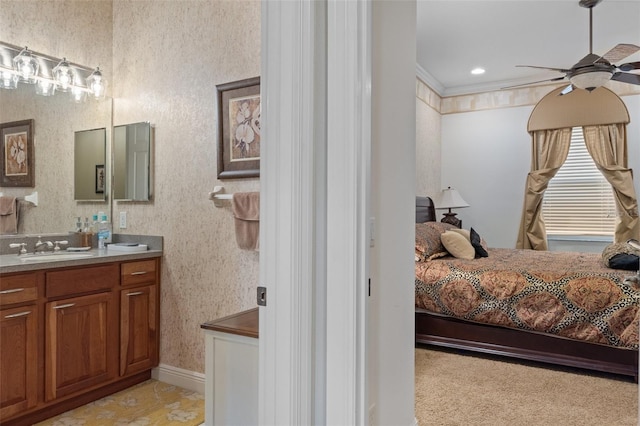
(26, 66)
(63, 76)
(450, 199)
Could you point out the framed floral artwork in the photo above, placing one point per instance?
(239, 138)
(17, 167)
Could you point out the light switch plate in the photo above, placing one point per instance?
(123, 220)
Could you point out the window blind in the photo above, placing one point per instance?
(579, 200)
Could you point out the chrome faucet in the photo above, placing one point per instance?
(42, 245)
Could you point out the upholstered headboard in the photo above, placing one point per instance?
(425, 210)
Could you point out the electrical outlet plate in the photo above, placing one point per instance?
(123, 220)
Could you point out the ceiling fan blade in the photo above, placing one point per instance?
(533, 82)
(626, 78)
(630, 66)
(620, 52)
(566, 90)
(545, 68)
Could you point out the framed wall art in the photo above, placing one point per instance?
(239, 138)
(100, 179)
(17, 167)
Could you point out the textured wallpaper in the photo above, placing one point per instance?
(168, 57)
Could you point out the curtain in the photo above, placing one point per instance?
(549, 150)
(607, 145)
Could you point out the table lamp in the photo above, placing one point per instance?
(450, 199)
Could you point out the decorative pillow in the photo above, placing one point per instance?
(462, 232)
(476, 242)
(621, 256)
(428, 244)
(458, 245)
(629, 262)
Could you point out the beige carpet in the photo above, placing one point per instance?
(470, 390)
(150, 403)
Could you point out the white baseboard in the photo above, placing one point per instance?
(179, 377)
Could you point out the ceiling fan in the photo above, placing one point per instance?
(593, 71)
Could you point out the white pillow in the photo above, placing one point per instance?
(458, 245)
(464, 232)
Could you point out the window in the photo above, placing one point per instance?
(579, 200)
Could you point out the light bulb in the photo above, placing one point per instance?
(96, 84)
(78, 94)
(45, 87)
(26, 66)
(62, 75)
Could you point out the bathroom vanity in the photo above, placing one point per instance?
(73, 330)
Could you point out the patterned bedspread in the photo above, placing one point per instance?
(573, 295)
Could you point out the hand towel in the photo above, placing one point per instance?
(246, 211)
(8, 215)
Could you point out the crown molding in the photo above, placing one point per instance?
(429, 80)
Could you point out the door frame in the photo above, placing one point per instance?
(314, 207)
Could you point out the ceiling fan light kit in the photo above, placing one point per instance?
(594, 71)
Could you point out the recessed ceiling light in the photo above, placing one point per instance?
(477, 71)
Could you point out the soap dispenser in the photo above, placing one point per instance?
(104, 232)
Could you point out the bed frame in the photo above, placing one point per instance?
(438, 330)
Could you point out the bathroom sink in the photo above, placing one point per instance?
(53, 257)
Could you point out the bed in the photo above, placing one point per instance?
(560, 308)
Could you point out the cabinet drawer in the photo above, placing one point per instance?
(18, 288)
(83, 280)
(140, 272)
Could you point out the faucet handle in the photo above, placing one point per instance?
(57, 247)
(23, 250)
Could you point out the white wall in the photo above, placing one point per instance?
(486, 157)
(391, 326)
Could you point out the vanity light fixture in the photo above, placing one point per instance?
(78, 94)
(8, 79)
(49, 74)
(26, 66)
(62, 76)
(97, 84)
(45, 87)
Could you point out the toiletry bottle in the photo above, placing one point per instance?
(78, 224)
(104, 232)
(86, 234)
(94, 224)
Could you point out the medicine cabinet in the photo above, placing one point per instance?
(132, 155)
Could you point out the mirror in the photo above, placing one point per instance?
(90, 178)
(56, 121)
(132, 162)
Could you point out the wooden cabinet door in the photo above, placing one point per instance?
(80, 344)
(138, 329)
(18, 360)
